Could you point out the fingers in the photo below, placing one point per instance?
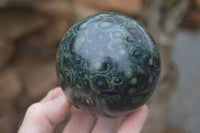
(106, 125)
(43, 116)
(135, 121)
(81, 122)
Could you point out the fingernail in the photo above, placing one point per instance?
(60, 98)
(56, 92)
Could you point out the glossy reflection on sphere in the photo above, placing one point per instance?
(108, 64)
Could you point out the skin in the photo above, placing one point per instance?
(42, 117)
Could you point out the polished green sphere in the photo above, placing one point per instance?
(108, 64)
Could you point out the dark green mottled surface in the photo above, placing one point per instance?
(108, 64)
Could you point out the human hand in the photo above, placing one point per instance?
(42, 117)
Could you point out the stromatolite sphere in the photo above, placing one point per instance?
(108, 64)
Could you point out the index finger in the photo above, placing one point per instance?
(44, 116)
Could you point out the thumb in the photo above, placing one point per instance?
(43, 116)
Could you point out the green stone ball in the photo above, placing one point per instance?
(108, 64)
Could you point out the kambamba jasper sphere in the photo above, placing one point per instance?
(108, 64)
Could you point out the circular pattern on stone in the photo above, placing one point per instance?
(108, 64)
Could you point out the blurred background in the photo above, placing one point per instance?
(30, 32)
